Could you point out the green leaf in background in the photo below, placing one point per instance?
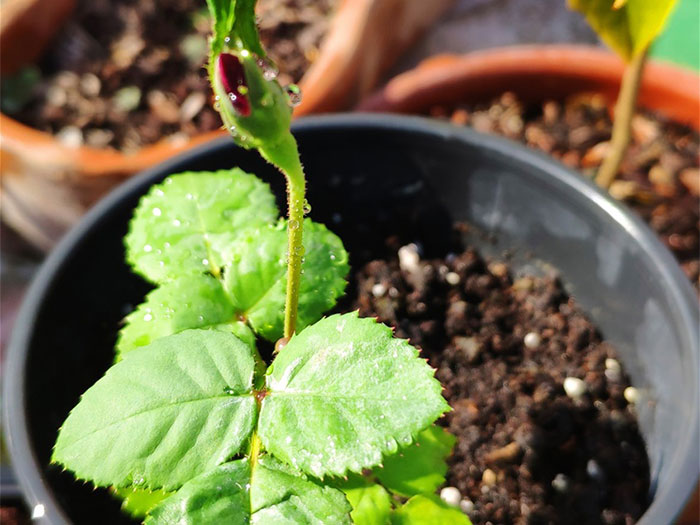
(629, 28)
(164, 414)
(256, 279)
(273, 495)
(371, 504)
(420, 467)
(182, 225)
(343, 393)
(428, 510)
(197, 301)
(234, 20)
(138, 502)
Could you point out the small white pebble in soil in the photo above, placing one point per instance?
(466, 505)
(560, 483)
(574, 387)
(378, 290)
(612, 375)
(452, 278)
(612, 364)
(532, 340)
(409, 258)
(631, 395)
(488, 478)
(70, 136)
(451, 496)
(594, 471)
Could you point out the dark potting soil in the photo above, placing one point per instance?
(659, 178)
(503, 347)
(127, 73)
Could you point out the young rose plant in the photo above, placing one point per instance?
(190, 425)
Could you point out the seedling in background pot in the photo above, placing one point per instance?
(629, 27)
(191, 425)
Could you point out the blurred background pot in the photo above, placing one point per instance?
(534, 74)
(47, 184)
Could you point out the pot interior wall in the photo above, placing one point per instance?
(365, 184)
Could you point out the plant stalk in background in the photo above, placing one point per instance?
(628, 27)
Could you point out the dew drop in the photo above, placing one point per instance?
(176, 223)
(332, 257)
(148, 317)
(227, 40)
(189, 196)
(228, 390)
(269, 70)
(205, 262)
(307, 207)
(293, 224)
(148, 248)
(294, 94)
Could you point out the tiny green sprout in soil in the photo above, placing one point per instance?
(190, 425)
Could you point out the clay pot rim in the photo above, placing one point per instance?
(667, 88)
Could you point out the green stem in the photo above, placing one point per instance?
(622, 122)
(254, 451)
(285, 156)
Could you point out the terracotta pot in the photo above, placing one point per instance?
(46, 186)
(535, 73)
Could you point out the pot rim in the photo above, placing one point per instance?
(667, 88)
(668, 500)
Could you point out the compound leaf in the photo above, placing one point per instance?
(428, 510)
(256, 279)
(343, 393)
(198, 301)
(629, 27)
(182, 226)
(164, 414)
(234, 20)
(275, 494)
(418, 468)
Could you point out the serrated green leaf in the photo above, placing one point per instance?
(164, 414)
(221, 495)
(428, 510)
(274, 495)
(235, 20)
(138, 502)
(198, 301)
(281, 496)
(420, 467)
(371, 504)
(630, 28)
(181, 226)
(343, 393)
(256, 279)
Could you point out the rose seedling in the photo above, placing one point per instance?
(191, 425)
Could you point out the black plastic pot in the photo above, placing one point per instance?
(370, 176)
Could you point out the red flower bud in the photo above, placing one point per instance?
(232, 78)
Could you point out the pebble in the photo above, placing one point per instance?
(378, 290)
(560, 483)
(612, 364)
(90, 85)
(452, 278)
(70, 136)
(127, 98)
(532, 340)
(192, 105)
(468, 346)
(467, 506)
(409, 258)
(690, 178)
(451, 496)
(488, 478)
(631, 395)
(594, 471)
(574, 387)
(623, 189)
